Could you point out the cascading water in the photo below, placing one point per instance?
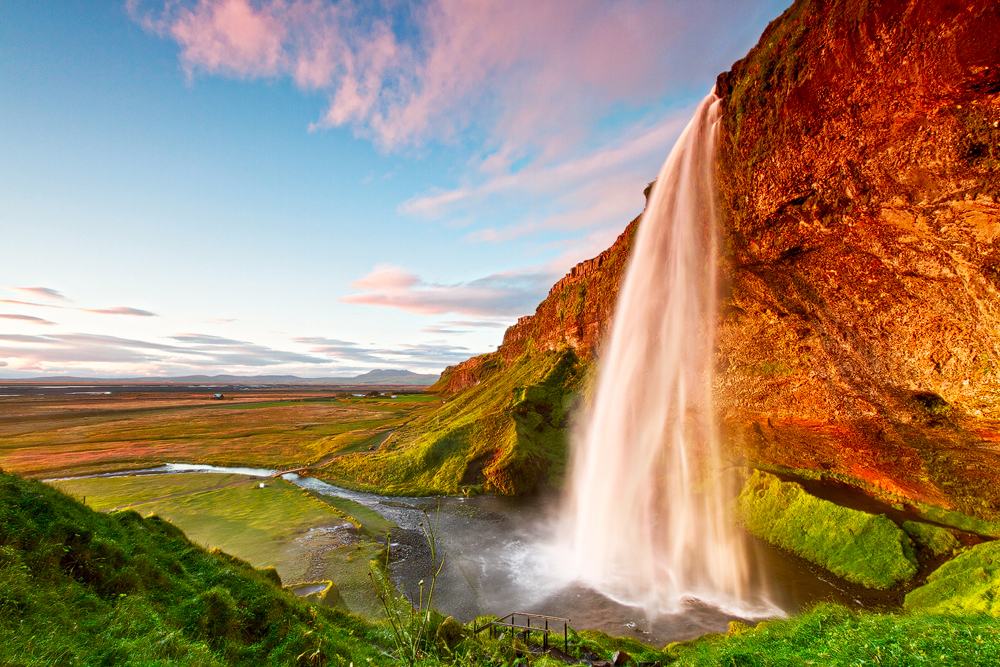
(647, 517)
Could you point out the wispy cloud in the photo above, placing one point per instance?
(533, 75)
(502, 294)
(464, 326)
(15, 302)
(48, 293)
(564, 108)
(118, 310)
(25, 318)
(187, 353)
(40, 292)
(427, 355)
(191, 351)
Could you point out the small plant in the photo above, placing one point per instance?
(409, 618)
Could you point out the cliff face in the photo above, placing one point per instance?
(860, 170)
(575, 315)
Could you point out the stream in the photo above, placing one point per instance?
(499, 559)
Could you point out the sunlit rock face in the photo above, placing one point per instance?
(860, 316)
(576, 314)
(860, 172)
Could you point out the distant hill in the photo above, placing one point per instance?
(380, 377)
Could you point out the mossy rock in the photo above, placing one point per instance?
(329, 596)
(935, 539)
(866, 549)
(969, 584)
(271, 574)
(449, 633)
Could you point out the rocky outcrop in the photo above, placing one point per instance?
(576, 314)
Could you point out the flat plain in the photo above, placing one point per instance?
(62, 435)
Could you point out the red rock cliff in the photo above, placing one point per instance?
(575, 314)
(860, 168)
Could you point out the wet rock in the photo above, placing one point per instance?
(620, 658)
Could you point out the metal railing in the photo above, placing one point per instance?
(508, 621)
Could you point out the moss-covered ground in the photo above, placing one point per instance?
(505, 435)
(863, 548)
(968, 584)
(281, 525)
(936, 540)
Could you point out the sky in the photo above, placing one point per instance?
(319, 188)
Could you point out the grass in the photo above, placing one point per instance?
(281, 525)
(65, 436)
(863, 548)
(951, 518)
(78, 587)
(505, 435)
(968, 584)
(830, 635)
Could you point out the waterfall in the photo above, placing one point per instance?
(646, 519)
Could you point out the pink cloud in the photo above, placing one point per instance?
(25, 318)
(41, 293)
(498, 295)
(118, 310)
(534, 75)
(230, 36)
(15, 302)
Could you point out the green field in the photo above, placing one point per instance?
(305, 538)
(70, 436)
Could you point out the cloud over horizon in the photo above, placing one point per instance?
(98, 355)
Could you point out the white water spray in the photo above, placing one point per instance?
(647, 516)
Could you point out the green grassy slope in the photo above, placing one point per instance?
(78, 587)
(507, 434)
(830, 635)
(304, 537)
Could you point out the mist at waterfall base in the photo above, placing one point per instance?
(646, 521)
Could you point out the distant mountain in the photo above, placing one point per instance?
(380, 377)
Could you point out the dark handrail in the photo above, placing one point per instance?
(500, 623)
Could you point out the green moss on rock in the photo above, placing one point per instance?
(937, 540)
(863, 548)
(506, 435)
(969, 584)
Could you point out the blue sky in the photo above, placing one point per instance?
(320, 188)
